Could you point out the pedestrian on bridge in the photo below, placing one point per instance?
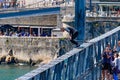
(115, 66)
(117, 47)
(106, 64)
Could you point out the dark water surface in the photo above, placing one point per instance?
(11, 72)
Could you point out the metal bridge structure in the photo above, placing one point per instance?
(31, 17)
(81, 63)
(78, 64)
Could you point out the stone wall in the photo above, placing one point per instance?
(25, 48)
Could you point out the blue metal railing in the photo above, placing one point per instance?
(78, 64)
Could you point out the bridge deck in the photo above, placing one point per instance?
(32, 17)
(34, 12)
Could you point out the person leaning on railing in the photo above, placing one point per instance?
(106, 63)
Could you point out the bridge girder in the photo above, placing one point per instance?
(45, 20)
(80, 15)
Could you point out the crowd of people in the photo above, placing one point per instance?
(111, 62)
(17, 33)
(8, 3)
(25, 3)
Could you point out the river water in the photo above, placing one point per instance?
(11, 72)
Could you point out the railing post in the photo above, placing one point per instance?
(80, 18)
(118, 35)
(90, 5)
